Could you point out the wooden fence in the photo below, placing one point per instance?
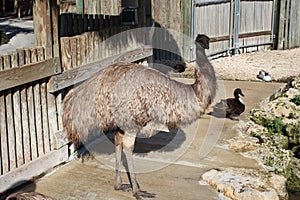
(29, 116)
(31, 89)
(105, 7)
(288, 30)
(235, 26)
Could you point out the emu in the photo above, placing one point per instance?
(134, 100)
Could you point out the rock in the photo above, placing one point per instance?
(283, 107)
(293, 179)
(247, 143)
(276, 181)
(293, 132)
(292, 92)
(241, 183)
(277, 126)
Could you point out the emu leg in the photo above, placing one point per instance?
(128, 146)
(118, 152)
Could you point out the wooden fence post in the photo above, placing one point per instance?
(46, 26)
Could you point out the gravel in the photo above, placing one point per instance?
(281, 65)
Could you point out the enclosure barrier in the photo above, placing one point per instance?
(31, 133)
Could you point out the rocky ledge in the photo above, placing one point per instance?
(271, 136)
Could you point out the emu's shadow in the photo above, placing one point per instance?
(160, 142)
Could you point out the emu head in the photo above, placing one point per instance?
(203, 40)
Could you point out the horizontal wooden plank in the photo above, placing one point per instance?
(35, 168)
(242, 35)
(79, 74)
(21, 75)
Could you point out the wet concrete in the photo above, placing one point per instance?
(171, 172)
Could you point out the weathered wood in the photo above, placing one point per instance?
(52, 116)
(25, 126)
(54, 26)
(96, 46)
(10, 131)
(90, 44)
(66, 56)
(73, 48)
(11, 140)
(18, 76)
(18, 127)
(27, 56)
(31, 121)
(77, 75)
(242, 35)
(45, 120)
(42, 26)
(14, 59)
(3, 136)
(294, 28)
(59, 104)
(38, 119)
(21, 58)
(40, 54)
(33, 54)
(79, 6)
(35, 168)
(61, 139)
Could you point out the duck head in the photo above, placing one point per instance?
(237, 92)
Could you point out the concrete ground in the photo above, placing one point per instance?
(169, 166)
(20, 34)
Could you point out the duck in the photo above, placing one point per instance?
(264, 75)
(231, 107)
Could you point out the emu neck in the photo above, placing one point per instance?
(205, 84)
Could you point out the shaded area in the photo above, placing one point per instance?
(161, 142)
(12, 29)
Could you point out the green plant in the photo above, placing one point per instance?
(296, 100)
(274, 126)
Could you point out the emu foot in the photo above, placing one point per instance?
(138, 195)
(123, 187)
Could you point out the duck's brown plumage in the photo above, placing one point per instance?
(231, 107)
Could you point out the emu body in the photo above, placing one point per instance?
(133, 99)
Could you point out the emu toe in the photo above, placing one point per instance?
(123, 187)
(138, 195)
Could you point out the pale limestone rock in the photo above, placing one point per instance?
(241, 183)
(247, 143)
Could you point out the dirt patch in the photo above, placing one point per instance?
(281, 65)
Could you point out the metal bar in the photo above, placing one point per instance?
(273, 22)
(193, 21)
(230, 27)
(254, 45)
(236, 25)
(218, 52)
(206, 3)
